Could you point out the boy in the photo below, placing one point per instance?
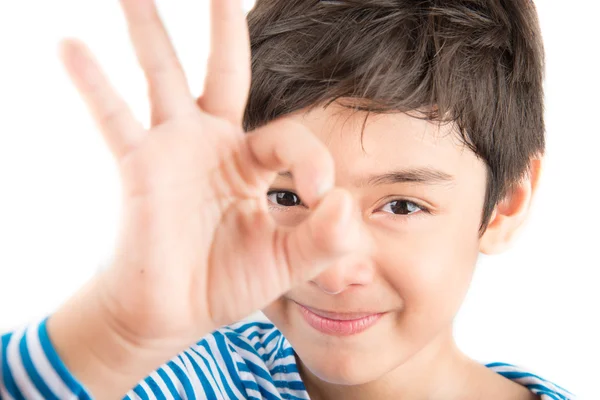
(431, 114)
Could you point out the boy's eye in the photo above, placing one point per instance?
(284, 198)
(402, 207)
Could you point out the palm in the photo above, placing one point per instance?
(197, 247)
(185, 202)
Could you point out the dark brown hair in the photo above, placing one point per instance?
(475, 63)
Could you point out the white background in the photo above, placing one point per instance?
(537, 305)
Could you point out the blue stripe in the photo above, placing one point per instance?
(7, 378)
(243, 345)
(231, 370)
(273, 335)
(230, 394)
(285, 369)
(58, 365)
(275, 349)
(293, 385)
(499, 364)
(141, 393)
(265, 394)
(288, 396)
(169, 383)
(208, 391)
(287, 352)
(258, 371)
(520, 374)
(507, 373)
(155, 388)
(183, 379)
(252, 385)
(210, 371)
(540, 389)
(35, 377)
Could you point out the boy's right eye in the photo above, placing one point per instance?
(284, 198)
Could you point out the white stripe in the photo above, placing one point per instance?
(271, 346)
(144, 386)
(246, 375)
(44, 368)
(289, 359)
(3, 392)
(285, 360)
(188, 373)
(246, 355)
(197, 360)
(212, 367)
(265, 384)
(255, 393)
(263, 333)
(161, 384)
(218, 357)
(530, 379)
(174, 380)
(236, 329)
(19, 374)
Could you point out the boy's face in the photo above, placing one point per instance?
(420, 242)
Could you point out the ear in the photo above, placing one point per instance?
(510, 214)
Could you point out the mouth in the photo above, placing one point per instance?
(338, 324)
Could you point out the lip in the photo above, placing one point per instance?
(338, 324)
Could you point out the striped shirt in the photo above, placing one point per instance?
(247, 360)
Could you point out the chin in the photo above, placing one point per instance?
(342, 360)
(346, 371)
(352, 360)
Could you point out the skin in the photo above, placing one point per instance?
(414, 263)
(197, 223)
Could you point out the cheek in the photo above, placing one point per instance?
(431, 273)
(289, 217)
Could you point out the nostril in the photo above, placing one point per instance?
(332, 293)
(329, 290)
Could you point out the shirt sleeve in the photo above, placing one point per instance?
(30, 368)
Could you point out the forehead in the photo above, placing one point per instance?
(389, 141)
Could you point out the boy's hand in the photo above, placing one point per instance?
(197, 247)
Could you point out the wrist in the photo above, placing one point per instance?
(96, 350)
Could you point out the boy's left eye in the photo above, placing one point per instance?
(402, 207)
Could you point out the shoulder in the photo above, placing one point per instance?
(536, 384)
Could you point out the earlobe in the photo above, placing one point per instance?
(510, 213)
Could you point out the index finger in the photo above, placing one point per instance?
(285, 145)
(228, 71)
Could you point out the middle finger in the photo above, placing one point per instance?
(169, 91)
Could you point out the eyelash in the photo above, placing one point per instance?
(410, 202)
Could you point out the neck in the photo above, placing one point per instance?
(438, 371)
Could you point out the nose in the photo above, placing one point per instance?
(355, 269)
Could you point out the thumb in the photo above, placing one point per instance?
(329, 233)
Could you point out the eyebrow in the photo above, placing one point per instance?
(423, 175)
